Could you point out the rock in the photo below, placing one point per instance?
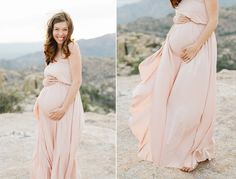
(130, 166)
(133, 48)
(96, 154)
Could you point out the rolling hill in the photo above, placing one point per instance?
(151, 8)
(89, 47)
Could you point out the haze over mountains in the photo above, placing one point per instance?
(103, 46)
(131, 10)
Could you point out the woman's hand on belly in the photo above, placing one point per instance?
(180, 19)
(189, 52)
(49, 80)
(57, 113)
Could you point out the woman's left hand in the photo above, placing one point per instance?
(57, 114)
(189, 52)
(181, 19)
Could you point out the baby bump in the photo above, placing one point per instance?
(183, 35)
(52, 97)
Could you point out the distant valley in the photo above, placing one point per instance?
(89, 47)
(132, 10)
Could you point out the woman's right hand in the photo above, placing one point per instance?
(180, 19)
(49, 80)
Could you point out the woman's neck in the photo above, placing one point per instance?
(59, 47)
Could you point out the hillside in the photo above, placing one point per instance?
(145, 35)
(89, 47)
(98, 87)
(103, 46)
(150, 8)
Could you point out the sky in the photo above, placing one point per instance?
(25, 20)
(124, 2)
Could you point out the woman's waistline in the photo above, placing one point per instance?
(59, 82)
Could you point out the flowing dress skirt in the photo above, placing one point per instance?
(173, 107)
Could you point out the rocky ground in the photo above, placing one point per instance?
(223, 167)
(96, 155)
(132, 48)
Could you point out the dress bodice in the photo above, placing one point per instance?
(194, 9)
(60, 70)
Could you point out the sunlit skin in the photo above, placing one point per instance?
(60, 32)
(189, 52)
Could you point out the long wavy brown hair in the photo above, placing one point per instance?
(175, 3)
(50, 45)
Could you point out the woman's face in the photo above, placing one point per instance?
(60, 32)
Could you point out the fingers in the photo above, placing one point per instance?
(52, 80)
(181, 19)
(50, 77)
(185, 19)
(185, 56)
(186, 59)
(49, 80)
(188, 53)
(55, 116)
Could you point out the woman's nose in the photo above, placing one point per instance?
(60, 33)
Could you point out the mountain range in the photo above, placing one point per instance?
(103, 46)
(150, 8)
(159, 27)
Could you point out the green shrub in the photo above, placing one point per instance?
(226, 62)
(86, 101)
(10, 101)
(135, 66)
(93, 98)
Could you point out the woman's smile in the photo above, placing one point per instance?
(60, 32)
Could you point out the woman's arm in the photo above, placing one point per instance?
(76, 74)
(212, 10)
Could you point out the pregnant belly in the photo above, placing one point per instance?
(183, 35)
(52, 97)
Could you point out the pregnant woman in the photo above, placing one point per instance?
(173, 108)
(58, 107)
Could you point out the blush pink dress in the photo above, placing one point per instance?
(173, 108)
(57, 141)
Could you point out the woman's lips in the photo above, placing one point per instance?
(60, 38)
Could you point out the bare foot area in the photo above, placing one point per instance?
(130, 166)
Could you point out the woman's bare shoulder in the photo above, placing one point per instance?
(73, 46)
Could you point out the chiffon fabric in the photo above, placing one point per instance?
(173, 107)
(57, 141)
